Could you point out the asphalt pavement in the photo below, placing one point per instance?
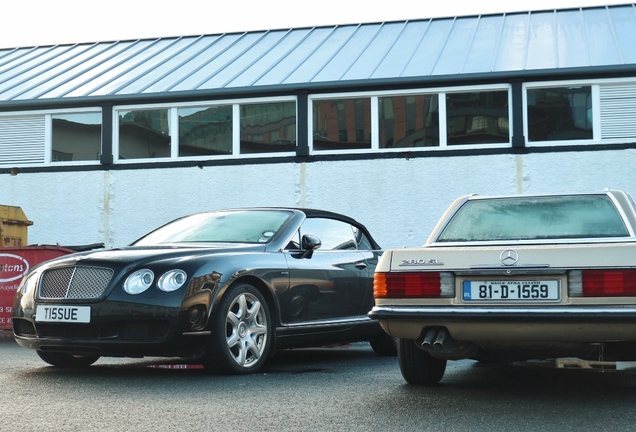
(346, 388)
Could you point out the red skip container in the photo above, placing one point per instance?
(14, 263)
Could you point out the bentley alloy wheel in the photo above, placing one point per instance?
(241, 333)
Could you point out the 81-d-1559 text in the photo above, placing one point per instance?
(511, 290)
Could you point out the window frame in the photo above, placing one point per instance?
(174, 128)
(375, 122)
(41, 146)
(47, 145)
(594, 85)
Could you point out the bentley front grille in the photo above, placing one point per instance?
(82, 283)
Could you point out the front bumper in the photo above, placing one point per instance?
(163, 331)
(133, 339)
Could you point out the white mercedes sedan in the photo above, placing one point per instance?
(514, 278)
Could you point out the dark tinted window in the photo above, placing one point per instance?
(144, 134)
(76, 137)
(205, 131)
(477, 117)
(563, 113)
(341, 124)
(268, 127)
(409, 121)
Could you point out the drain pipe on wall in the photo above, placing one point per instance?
(519, 162)
(106, 209)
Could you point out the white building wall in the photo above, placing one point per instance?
(399, 200)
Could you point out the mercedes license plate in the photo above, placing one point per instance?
(73, 314)
(511, 290)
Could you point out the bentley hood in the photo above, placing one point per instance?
(146, 254)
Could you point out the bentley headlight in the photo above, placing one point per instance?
(139, 281)
(172, 280)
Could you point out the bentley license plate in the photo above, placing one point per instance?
(78, 314)
(511, 290)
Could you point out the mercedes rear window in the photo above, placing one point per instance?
(535, 218)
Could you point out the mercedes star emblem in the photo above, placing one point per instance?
(509, 257)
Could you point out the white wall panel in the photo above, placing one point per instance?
(66, 208)
(581, 171)
(399, 200)
(144, 199)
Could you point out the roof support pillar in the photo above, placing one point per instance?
(302, 119)
(518, 139)
(106, 157)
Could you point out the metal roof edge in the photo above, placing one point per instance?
(594, 72)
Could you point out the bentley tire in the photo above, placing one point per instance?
(241, 332)
(384, 345)
(67, 360)
(417, 366)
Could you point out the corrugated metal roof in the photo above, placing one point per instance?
(428, 50)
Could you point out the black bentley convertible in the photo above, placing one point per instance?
(226, 287)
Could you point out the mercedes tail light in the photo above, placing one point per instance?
(413, 285)
(603, 283)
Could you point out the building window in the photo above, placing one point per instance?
(144, 134)
(205, 131)
(23, 140)
(342, 124)
(268, 127)
(76, 137)
(425, 120)
(479, 117)
(560, 113)
(409, 121)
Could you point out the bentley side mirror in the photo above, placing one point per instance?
(309, 244)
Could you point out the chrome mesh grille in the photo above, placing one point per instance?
(23, 327)
(75, 283)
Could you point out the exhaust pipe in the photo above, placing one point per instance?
(440, 344)
(429, 338)
(440, 340)
(434, 339)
